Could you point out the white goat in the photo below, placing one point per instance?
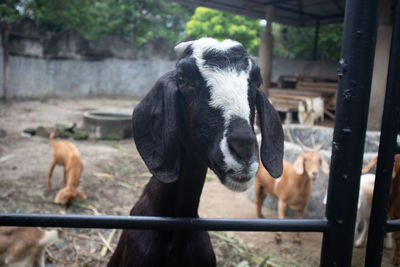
(364, 210)
(310, 110)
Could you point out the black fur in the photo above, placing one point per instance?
(235, 58)
(178, 135)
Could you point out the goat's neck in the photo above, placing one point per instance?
(177, 199)
(303, 181)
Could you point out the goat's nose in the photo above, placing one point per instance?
(314, 174)
(242, 147)
(241, 141)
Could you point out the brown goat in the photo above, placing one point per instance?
(293, 188)
(67, 155)
(24, 246)
(394, 205)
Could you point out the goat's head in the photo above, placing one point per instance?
(66, 195)
(207, 106)
(310, 161)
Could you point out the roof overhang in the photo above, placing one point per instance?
(289, 12)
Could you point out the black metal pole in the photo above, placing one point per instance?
(355, 75)
(316, 37)
(393, 225)
(387, 150)
(162, 223)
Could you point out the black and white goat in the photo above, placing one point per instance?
(197, 116)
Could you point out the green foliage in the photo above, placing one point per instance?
(60, 14)
(298, 43)
(9, 10)
(222, 25)
(111, 136)
(135, 20)
(289, 42)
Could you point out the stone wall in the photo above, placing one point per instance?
(31, 77)
(65, 64)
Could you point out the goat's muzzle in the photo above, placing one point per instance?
(241, 141)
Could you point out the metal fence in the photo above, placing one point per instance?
(355, 74)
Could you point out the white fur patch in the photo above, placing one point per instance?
(237, 185)
(230, 161)
(229, 93)
(228, 88)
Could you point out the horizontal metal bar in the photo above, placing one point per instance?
(163, 223)
(393, 225)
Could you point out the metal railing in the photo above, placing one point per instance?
(355, 74)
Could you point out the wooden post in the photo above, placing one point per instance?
(316, 37)
(266, 50)
(4, 39)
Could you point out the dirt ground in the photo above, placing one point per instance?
(113, 179)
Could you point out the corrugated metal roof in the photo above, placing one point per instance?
(290, 12)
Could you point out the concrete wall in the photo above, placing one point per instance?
(66, 64)
(304, 67)
(1, 69)
(31, 77)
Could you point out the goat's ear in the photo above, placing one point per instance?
(155, 130)
(272, 136)
(298, 165)
(325, 166)
(181, 47)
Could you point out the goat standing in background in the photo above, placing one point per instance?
(310, 110)
(67, 155)
(394, 205)
(293, 188)
(198, 116)
(24, 246)
(394, 202)
(367, 184)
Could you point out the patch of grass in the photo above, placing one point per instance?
(82, 205)
(81, 134)
(111, 137)
(116, 146)
(126, 185)
(233, 252)
(211, 177)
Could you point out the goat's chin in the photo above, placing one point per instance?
(236, 184)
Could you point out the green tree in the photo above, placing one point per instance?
(9, 10)
(222, 25)
(298, 42)
(60, 14)
(135, 20)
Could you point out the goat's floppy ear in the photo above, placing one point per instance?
(325, 166)
(155, 130)
(298, 165)
(272, 136)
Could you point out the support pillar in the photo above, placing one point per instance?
(316, 37)
(266, 50)
(4, 38)
(380, 66)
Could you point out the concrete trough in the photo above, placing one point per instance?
(107, 125)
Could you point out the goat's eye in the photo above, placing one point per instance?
(258, 84)
(182, 82)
